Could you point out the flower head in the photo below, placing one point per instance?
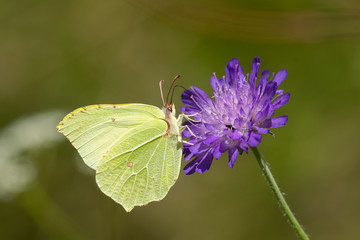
(235, 119)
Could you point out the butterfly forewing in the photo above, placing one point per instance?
(93, 129)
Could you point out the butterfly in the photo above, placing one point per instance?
(134, 148)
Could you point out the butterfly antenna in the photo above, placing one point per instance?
(161, 91)
(172, 84)
(172, 94)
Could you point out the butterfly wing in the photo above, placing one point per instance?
(135, 158)
(141, 167)
(93, 129)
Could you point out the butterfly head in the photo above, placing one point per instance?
(169, 109)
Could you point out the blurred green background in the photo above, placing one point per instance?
(56, 56)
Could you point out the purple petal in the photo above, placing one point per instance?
(198, 148)
(266, 112)
(230, 70)
(221, 81)
(234, 72)
(190, 167)
(270, 112)
(201, 99)
(280, 77)
(190, 111)
(236, 135)
(262, 82)
(211, 139)
(254, 72)
(225, 145)
(261, 115)
(242, 113)
(233, 153)
(186, 150)
(254, 139)
(187, 154)
(182, 109)
(281, 101)
(264, 124)
(201, 94)
(186, 133)
(196, 99)
(279, 121)
(243, 145)
(213, 127)
(269, 91)
(187, 99)
(204, 163)
(214, 82)
(216, 151)
(263, 130)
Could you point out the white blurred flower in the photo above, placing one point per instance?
(36, 131)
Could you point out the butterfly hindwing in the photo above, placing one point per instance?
(141, 167)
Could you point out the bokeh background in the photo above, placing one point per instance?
(56, 56)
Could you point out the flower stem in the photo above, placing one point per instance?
(279, 196)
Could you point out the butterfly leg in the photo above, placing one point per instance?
(180, 119)
(185, 142)
(182, 128)
(187, 117)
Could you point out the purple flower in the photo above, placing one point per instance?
(236, 117)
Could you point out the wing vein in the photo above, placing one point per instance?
(95, 136)
(118, 179)
(132, 190)
(162, 170)
(147, 169)
(132, 149)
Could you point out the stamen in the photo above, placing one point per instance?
(279, 94)
(200, 97)
(197, 104)
(272, 76)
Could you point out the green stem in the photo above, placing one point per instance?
(279, 196)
